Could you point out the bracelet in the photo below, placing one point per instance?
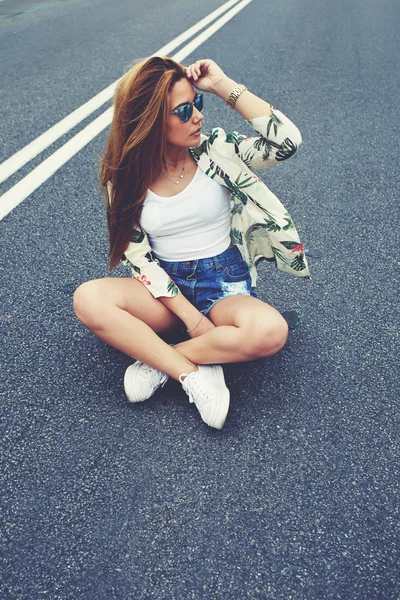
(190, 330)
(239, 89)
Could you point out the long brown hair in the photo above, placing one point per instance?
(135, 151)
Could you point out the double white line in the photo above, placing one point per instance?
(45, 170)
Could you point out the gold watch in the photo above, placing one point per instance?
(239, 89)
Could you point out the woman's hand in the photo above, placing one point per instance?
(196, 323)
(205, 75)
(203, 327)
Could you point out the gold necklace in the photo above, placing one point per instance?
(181, 175)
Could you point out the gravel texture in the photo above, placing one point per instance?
(297, 497)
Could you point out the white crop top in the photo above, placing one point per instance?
(193, 224)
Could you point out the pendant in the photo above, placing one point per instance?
(177, 182)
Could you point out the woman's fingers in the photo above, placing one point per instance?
(195, 70)
(205, 74)
(189, 73)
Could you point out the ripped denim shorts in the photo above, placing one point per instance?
(206, 281)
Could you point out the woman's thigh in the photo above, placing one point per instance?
(93, 298)
(246, 311)
(262, 329)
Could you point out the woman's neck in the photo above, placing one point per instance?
(175, 156)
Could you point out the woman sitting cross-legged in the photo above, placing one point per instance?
(190, 218)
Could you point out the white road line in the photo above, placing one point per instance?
(19, 192)
(20, 158)
(188, 49)
(23, 156)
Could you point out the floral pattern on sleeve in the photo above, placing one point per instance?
(145, 267)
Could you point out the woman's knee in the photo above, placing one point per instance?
(86, 301)
(266, 339)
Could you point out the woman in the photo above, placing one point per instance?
(189, 217)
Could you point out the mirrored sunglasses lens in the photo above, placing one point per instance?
(198, 102)
(185, 112)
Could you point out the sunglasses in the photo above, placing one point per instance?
(185, 112)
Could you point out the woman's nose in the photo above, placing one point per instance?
(197, 115)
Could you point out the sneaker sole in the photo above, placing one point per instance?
(218, 417)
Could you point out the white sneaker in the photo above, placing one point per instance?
(141, 381)
(206, 388)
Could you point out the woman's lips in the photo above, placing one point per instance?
(198, 132)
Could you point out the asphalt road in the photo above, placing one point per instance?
(297, 498)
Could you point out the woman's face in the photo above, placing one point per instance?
(183, 134)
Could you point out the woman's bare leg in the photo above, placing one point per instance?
(246, 329)
(123, 313)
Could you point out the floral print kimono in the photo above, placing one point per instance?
(260, 225)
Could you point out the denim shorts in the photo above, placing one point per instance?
(206, 281)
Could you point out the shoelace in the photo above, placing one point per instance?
(151, 371)
(201, 394)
